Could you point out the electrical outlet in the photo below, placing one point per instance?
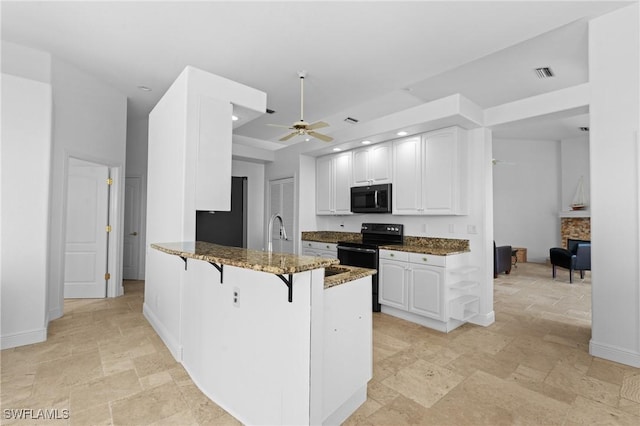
(471, 229)
(452, 228)
(424, 228)
(236, 297)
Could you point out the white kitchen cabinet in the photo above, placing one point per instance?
(393, 283)
(407, 176)
(433, 291)
(315, 248)
(372, 165)
(333, 184)
(430, 173)
(426, 286)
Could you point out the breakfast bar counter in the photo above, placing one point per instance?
(266, 353)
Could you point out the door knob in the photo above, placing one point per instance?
(133, 233)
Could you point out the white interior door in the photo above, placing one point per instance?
(131, 249)
(86, 234)
(281, 201)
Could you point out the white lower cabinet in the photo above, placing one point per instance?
(394, 293)
(430, 290)
(314, 248)
(425, 296)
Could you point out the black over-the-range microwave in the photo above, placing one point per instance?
(371, 199)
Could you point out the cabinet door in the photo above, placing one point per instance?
(392, 284)
(361, 167)
(380, 159)
(426, 290)
(342, 183)
(440, 172)
(407, 176)
(324, 180)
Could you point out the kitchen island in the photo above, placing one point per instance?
(264, 335)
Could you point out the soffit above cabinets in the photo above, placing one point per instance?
(454, 110)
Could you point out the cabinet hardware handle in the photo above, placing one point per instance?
(134, 233)
(424, 258)
(391, 255)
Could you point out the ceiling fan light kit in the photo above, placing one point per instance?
(302, 128)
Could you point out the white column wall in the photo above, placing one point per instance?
(615, 217)
(26, 165)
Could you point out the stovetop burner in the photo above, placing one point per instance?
(378, 234)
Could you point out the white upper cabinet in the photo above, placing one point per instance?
(333, 184)
(372, 165)
(430, 173)
(407, 176)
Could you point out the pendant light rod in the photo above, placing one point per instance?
(302, 75)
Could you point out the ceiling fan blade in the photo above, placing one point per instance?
(279, 125)
(320, 136)
(317, 125)
(289, 136)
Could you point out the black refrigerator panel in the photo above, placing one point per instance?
(226, 228)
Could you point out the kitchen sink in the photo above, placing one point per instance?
(334, 270)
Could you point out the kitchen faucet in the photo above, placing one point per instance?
(283, 232)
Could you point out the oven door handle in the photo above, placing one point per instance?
(357, 249)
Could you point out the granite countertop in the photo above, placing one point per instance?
(274, 263)
(332, 237)
(434, 251)
(423, 245)
(350, 273)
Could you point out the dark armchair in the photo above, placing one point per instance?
(576, 257)
(501, 260)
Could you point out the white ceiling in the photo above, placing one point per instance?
(364, 59)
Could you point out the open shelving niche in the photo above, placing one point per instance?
(464, 301)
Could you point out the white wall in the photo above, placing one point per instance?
(526, 194)
(614, 56)
(89, 123)
(255, 200)
(85, 119)
(574, 162)
(26, 165)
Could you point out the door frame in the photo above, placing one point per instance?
(141, 216)
(115, 212)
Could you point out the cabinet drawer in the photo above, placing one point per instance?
(394, 255)
(319, 246)
(427, 259)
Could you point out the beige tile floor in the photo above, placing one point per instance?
(104, 364)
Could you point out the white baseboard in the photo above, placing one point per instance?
(348, 408)
(484, 320)
(172, 344)
(55, 314)
(614, 353)
(442, 326)
(23, 338)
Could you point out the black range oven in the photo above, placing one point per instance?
(365, 254)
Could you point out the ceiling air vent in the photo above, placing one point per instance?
(351, 120)
(584, 129)
(270, 111)
(544, 72)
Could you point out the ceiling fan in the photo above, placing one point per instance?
(301, 127)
